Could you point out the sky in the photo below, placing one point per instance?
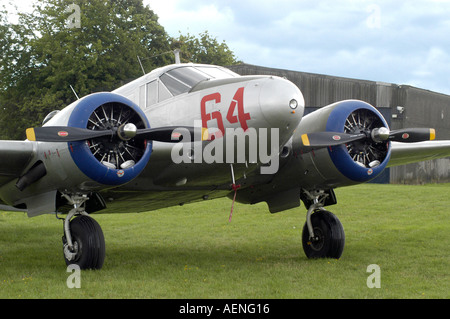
(395, 41)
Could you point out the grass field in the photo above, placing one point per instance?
(194, 252)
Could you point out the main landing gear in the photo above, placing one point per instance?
(323, 235)
(83, 240)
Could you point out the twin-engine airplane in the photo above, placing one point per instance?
(145, 146)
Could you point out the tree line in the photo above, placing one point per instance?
(90, 46)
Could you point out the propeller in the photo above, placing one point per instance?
(170, 134)
(410, 135)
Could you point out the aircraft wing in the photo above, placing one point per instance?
(14, 157)
(406, 153)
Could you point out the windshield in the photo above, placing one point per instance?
(183, 79)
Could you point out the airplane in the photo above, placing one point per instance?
(187, 132)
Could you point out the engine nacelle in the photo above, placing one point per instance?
(105, 160)
(345, 164)
(85, 166)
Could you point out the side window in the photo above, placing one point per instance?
(152, 93)
(163, 92)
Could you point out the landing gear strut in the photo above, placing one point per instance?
(323, 235)
(83, 240)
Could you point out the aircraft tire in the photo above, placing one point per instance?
(329, 233)
(87, 237)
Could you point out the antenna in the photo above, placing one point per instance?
(176, 52)
(143, 71)
(74, 92)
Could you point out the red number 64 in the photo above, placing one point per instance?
(238, 100)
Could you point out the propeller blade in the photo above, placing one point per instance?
(63, 134)
(325, 139)
(412, 135)
(163, 134)
(171, 134)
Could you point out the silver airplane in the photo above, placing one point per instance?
(190, 132)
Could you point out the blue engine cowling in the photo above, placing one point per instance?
(354, 117)
(345, 164)
(107, 160)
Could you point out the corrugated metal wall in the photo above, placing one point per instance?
(421, 108)
(318, 90)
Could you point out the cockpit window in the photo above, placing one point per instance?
(188, 75)
(217, 73)
(173, 85)
(182, 80)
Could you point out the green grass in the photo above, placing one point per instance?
(194, 252)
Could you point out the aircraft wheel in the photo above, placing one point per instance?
(88, 244)
(329, 236)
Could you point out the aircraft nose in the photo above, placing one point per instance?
(282, 103)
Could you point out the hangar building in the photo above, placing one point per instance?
(401, 105)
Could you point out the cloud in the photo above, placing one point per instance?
(176, 17)
(403, 41)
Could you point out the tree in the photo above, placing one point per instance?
(89, 45)
(14, 65)
(46, 56)
(203, 49)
